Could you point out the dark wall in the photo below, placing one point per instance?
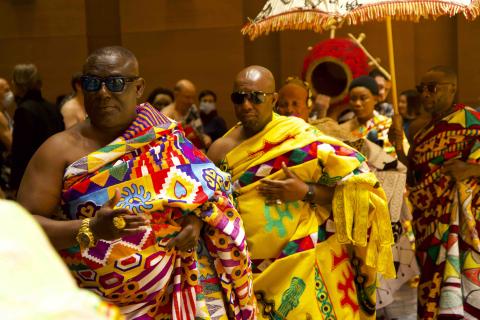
(200, 40)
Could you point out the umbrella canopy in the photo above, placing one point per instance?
(320, 15)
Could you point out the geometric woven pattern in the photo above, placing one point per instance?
(446, 218)
(163, 177)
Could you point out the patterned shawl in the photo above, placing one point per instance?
(161, 175)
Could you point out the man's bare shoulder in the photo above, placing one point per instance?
(221, 147)
(71, 106)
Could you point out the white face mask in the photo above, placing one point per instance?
(8, 99)
(207, 107)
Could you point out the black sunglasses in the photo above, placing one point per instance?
(113, 84)
(255, 97)
(430, 86)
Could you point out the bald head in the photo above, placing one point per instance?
(116, 54)
(185, 95)
(257, 76)
(254, 97)
(184, 84)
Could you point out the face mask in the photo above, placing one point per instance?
(8, 99)
(207, 107)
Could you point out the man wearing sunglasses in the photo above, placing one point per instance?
(445, 194)
(287, 176)
(135, 194)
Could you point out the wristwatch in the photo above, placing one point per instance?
(310, 195)
(85, 236)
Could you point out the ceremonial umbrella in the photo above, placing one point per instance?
(321, 15)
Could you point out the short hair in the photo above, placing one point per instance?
(76, 78)
(378, 73)
(26, 76)
(106, 51)
(447, 71)
(207, 92)
(160, 90)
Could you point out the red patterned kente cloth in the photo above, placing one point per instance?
(446, 218)
(162, 176)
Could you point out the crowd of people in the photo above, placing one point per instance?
(159, 211)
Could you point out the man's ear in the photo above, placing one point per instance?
(274, 99)
(139, 87)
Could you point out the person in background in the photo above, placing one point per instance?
(34, 122)
(7, 99)
(213, 125)
(72, 107)
(184, 111)
(160, 98)
(383, 107)
(409, 107)
(294, 99)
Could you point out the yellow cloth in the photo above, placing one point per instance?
(301, 270)
(36, 284)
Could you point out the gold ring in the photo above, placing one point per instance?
(119, 223)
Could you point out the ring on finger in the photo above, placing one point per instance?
(119, 223)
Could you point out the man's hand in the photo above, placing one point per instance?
(460, 170)
(290, 189)
(187, 238)
(102, 223)
(395, 133)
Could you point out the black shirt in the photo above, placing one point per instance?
(35, 120)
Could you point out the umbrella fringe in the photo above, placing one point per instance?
(320, 21)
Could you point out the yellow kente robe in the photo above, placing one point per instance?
(311, 262)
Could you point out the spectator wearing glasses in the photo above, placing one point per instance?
(34, 121)
(289, 221)
(145, 217)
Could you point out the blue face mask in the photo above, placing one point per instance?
(206, 107)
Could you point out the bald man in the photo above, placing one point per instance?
(287, 177)
(184, 111)
(135, 197)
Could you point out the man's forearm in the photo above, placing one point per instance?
(62, 234)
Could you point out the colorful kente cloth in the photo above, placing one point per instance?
(161, 175)
(446, 215)
(375, 130)
(302, 268)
